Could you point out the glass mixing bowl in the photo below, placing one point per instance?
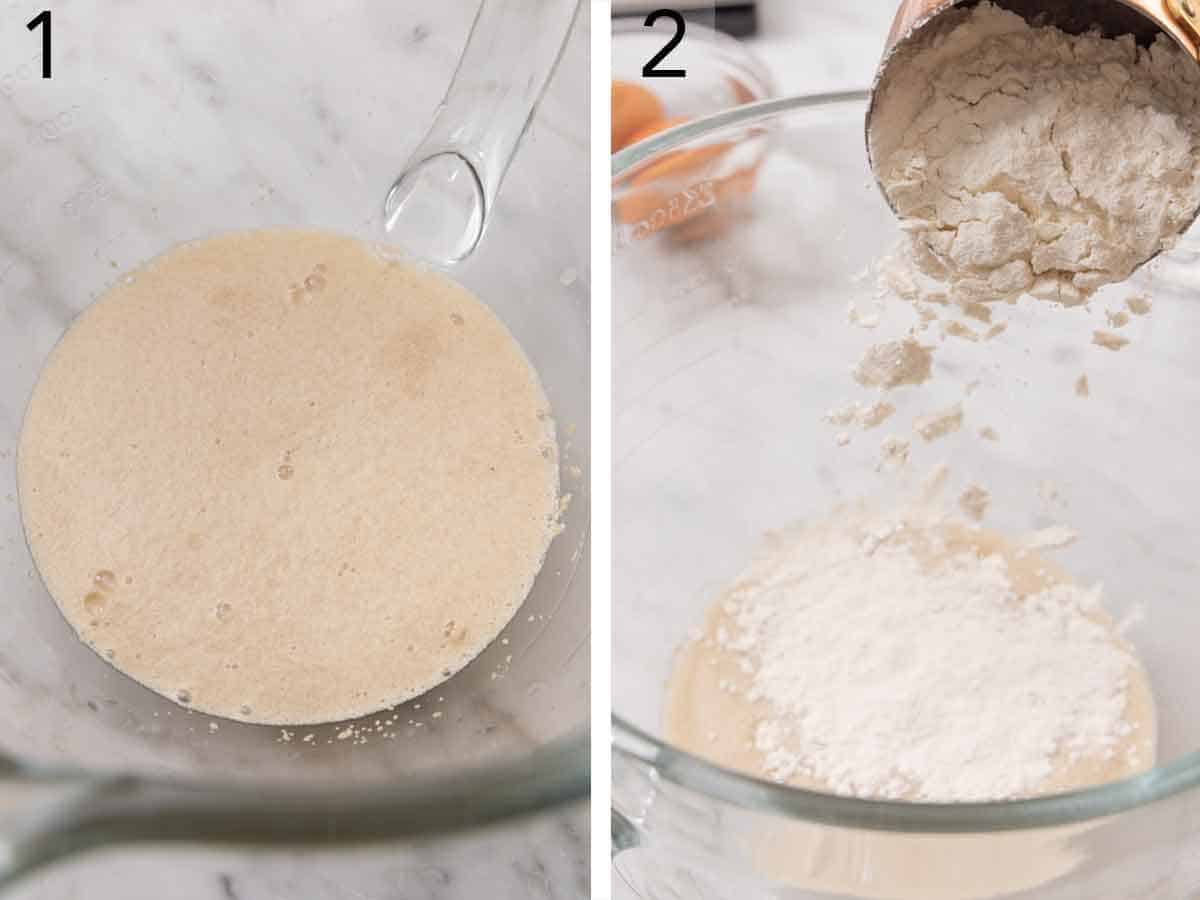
(290, 116)
(731, 288)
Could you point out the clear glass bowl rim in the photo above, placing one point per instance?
(693, 773)
(89, 810)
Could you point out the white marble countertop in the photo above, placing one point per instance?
(541, 859)
(544, 858)
(822, 45)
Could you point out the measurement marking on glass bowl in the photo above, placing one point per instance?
(681, 206)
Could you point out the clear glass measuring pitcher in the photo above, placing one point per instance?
(158, 127)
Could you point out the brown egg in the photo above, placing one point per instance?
(657, 199)
(633, 107)
(678, 163)
(653, 127)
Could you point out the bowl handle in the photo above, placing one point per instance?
(439, 207)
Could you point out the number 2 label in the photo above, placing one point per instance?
(650, 69)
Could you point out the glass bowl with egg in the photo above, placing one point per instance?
(773, 399)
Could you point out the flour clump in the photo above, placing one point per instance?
(908, 657)
(1024, 159)
(894, 364)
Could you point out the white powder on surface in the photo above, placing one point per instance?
(893, 452)
(855, 316)
(952, 328)
(1053, 537)
(846, 628)
(1139, 304)
(894, 363)
(876, 414)
(939, 424)
(974, 501)
(1049, 493)
(1108, 340)
(845, 415)
(1024, 159)
(867, 416)
(934, 483)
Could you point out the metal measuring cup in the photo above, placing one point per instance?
(1144, 19)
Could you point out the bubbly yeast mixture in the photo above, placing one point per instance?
(278, 477)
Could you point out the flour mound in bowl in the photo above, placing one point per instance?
(1027, 160)
(278, 477)
(908, 657)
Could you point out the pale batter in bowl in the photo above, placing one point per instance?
(276, 476)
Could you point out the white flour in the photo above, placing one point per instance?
(1025, 159)
(939, 424)
(974, 501)
(867, 416)
(899, 662)
(904, 657)
(894, 364)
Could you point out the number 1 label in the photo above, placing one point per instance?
(42, 20)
